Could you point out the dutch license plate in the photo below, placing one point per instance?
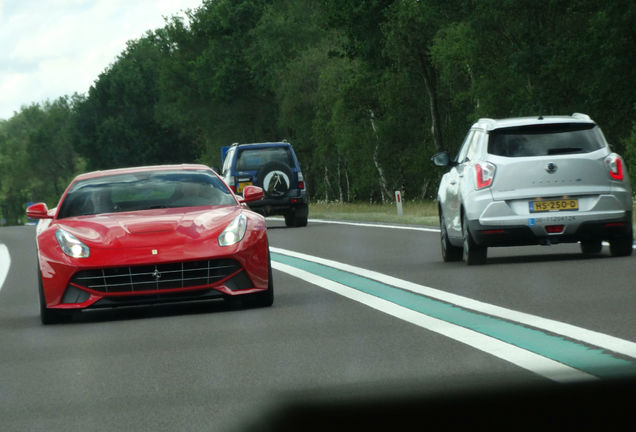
(554, 205)
(242, 185)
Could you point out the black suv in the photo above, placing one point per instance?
(274, 167)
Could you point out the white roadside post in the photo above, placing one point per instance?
(398, 202)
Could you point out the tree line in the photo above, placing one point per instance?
(365, 90)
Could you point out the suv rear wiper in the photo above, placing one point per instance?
(564, 150)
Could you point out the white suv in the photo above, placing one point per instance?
(534, 180)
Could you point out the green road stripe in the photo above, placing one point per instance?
(591, 360)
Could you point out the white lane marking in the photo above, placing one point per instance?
(375, 225)
(372, 225)
(601, 340)
(5, 263)
(607, 244)
(366, 224)
(525, 359)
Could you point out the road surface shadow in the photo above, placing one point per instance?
(520, 259)
(156, 311)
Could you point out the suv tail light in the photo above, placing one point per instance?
(231, 182)
(614, 164)
(485, 172)
(301, 181)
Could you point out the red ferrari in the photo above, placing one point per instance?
(146, 235)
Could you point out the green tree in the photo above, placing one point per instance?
(529, 58)
(37, 159)
(207, 87)
(366, 91)
(117, 123)
(50, 148)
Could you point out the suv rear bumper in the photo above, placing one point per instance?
(535, 232)
(293, 202)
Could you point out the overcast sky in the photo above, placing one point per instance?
(52, 48)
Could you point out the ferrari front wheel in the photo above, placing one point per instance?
(49, 316)
(265, 298)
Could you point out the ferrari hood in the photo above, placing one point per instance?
(158, 227)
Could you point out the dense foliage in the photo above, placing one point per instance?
(365, 90)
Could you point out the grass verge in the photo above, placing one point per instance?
(414, 213)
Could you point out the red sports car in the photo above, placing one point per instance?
(136, 236)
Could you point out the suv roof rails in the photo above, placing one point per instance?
(581, 116)
(485, 120)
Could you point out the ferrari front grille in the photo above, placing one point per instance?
(156, 277)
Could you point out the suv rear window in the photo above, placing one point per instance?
(544, 140)
(253, 159)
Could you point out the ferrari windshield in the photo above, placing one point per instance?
(143, 191)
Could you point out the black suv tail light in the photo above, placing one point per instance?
(301, 181)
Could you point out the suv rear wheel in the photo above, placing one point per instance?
(622, 246)
(294, 220)
(50, 316)
(591, 247)
(265, 298)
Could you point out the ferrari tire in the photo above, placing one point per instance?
(49, 316)
(265, 298)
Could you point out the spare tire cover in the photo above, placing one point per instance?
(275, 178)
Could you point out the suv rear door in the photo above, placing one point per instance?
(253, 163)
(539, 161)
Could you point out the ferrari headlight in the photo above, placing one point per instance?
(71, 245)
(234, 232)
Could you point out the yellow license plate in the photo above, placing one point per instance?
(554, 205)
(242, 185)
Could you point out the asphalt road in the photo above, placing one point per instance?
(209, 367)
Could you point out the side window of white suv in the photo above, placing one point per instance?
(461, 157)
(475, 146)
